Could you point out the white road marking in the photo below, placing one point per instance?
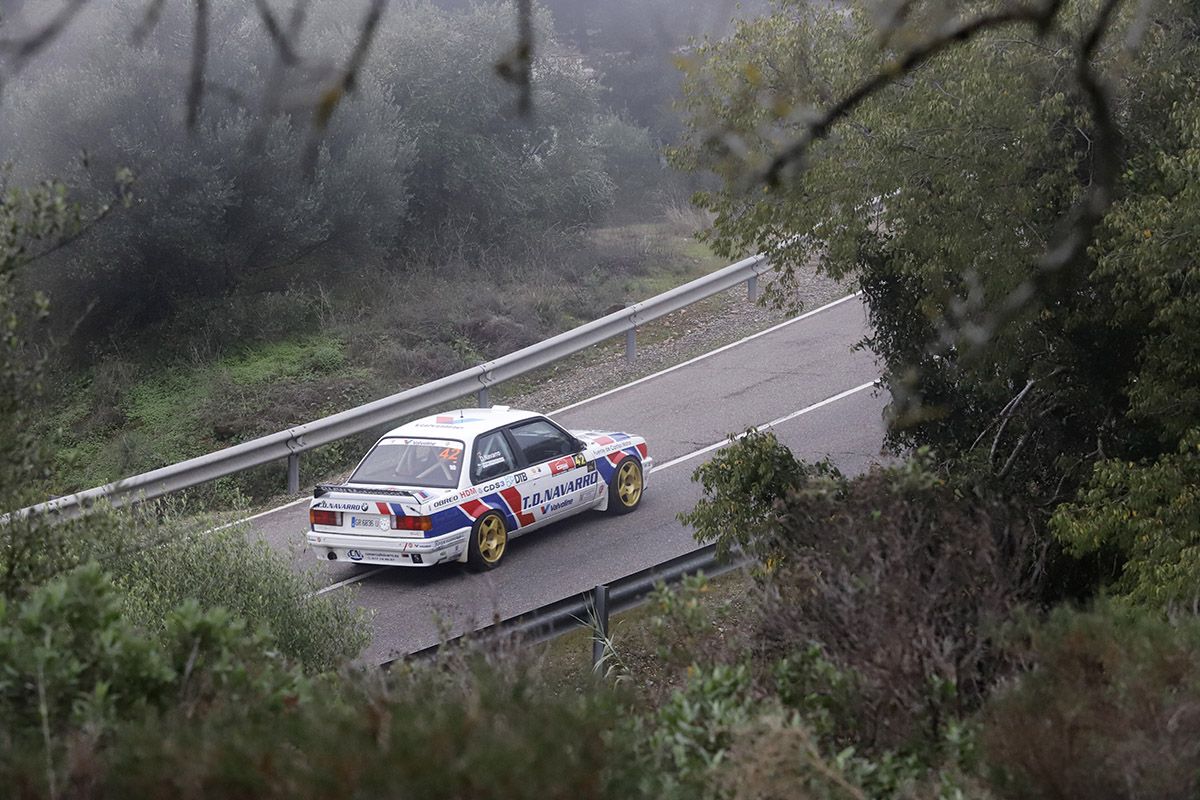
(360, 577)
(253, 517)
(710, 353)
(763, 427)
(671, 463)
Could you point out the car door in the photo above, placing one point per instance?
(561, 481)
(493, 483)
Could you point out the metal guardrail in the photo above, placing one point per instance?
(290, 443)
(591, 608)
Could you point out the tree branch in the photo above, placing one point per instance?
(820, 129)
(517, 66)
(195, 93)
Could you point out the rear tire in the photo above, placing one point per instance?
(489, 540)
(625, 491)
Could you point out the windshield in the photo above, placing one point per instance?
(431, 463)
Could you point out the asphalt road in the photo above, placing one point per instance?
(683, 411)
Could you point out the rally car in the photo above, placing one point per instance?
(457, 486)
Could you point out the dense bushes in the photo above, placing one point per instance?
(899, 578)
(92, 706)
(427, 154)
(1107, 705)
(1143, 517)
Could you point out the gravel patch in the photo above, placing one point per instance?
(687, 333)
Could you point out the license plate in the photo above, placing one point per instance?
(370, 523)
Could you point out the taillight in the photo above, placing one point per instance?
(411, 523)
(317, 516)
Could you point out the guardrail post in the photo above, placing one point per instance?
(294, 473)
(630, 345)
(481, 397)
(600, 634)
(752, 288)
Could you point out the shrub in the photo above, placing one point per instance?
(483, 731)
(902, 580)
(678, 619)
(172, 561)
(742, 483)
(1107, 706)
(691, 733)
(1144, 516)
(72, 658)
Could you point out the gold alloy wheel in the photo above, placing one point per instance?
(629, 483)
(493, 537)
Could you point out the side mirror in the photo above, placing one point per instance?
(580, 445)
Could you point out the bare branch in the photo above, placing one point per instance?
(149, 22)
(1003, 417)
(1107, 158)
(794, 153)
(281, 40)
(1082, 221)
(195, 94)
(332, 97)
(517, 66)
(27, 48)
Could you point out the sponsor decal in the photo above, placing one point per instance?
(447, 420)
(445, 444)
(354, 555)
(555, 492)
(591, 466)
(393, 557)
(520, 477)
(445, 501)
(496, 485)
(559, 506)
(562, 465)
(491, 459)
(330, 504)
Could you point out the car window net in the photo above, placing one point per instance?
(427, 463)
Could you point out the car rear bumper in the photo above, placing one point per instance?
(388, 550)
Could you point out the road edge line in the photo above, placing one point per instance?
(764, 426)
(709, 354)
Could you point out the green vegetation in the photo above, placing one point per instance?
(1009, 610)
(137, 411)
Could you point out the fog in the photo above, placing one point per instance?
(261, 194)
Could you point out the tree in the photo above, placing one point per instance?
(430, 145)
(964, 181)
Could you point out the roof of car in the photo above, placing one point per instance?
(462, 422)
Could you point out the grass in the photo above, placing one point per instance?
(169, 413)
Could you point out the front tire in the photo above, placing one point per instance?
(625, 491)
(489, 540)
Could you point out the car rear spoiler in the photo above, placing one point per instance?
(321, 489)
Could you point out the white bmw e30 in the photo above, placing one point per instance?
(457, 486)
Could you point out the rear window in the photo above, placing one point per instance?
(429, 463)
